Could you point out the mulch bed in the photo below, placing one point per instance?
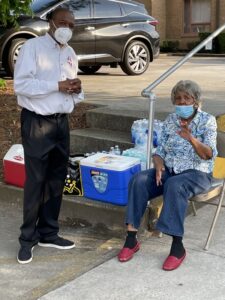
(10, 120)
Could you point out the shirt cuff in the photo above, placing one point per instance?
(78, 97)
(52, 86)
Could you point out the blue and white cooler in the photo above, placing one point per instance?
(105, 177)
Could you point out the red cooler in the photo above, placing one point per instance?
(13, 165)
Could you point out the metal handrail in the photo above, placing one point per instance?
(147, 92)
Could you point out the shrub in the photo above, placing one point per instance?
(192, 45)
(218, 43)
(2, 83)
(169, 46)
(221, 42)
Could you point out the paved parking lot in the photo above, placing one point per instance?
(112, 86)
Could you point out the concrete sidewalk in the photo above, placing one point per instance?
(201, 276)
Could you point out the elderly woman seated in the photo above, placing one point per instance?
(183, 164)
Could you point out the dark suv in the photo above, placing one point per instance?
(107, 32)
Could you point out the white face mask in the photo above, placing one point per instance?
(62, 34)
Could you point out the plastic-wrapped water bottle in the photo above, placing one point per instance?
(141, 142)
(133, 131)
(157, 131)
(134, 152)
(139, 132)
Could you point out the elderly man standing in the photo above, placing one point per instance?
(47, 89)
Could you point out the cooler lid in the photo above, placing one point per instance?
(15, 154)
(110, 161)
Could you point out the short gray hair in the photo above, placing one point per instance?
(188, 86)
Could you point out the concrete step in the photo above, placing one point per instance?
(78, 210)
(95, 139)
(116, 119)
(113, 119)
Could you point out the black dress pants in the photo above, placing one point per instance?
(46, 150)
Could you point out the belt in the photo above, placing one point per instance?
(55, 116)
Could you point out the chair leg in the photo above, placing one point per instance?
(215, 219)
(193, 208)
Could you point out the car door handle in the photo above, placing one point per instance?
(90, 28)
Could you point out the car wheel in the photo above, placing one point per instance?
(136, 58)
(13, 54)
(89, 69)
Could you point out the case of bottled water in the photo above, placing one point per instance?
(139, 133)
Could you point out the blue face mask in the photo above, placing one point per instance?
(184, 111)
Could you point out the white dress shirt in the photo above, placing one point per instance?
(41, 64)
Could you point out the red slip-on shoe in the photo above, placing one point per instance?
(172, 262)
(126, 253)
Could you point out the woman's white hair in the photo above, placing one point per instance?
(187, 86)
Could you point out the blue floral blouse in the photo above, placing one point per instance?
(177, 153)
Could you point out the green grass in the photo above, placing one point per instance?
(2, 84)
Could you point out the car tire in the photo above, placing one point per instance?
(89, 69)
(136, 58)
(13, 54)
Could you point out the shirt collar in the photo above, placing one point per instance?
(196, 118)
(52, 43)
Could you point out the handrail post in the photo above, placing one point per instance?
(152, 100)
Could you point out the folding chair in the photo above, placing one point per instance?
(217, 191)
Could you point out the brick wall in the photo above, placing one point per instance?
(158, 10)
(222, 12)
(169, 13)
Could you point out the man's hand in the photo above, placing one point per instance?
(70, 86)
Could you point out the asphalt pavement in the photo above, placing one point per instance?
(91, 270)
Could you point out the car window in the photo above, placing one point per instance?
(106, 9)
(80, 8)
(40, 5)
(131, 7)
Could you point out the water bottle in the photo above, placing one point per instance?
(157, 127)
(144, 125)
(112, 150)
(134, 152)
(117, 150)
(140, 142)
(133, 131)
